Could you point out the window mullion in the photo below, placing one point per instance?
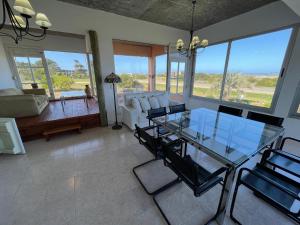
(32, 76)
(225, 70)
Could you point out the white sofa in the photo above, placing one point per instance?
(132, 115)
(20, 103)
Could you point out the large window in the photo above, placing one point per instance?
(253, 69)
(209, 71)
(31, 71)
(133, 71)
(69, 72)
(161, 72)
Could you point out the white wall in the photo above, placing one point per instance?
(294, 5)
(269, 17)
(6, 77)
(75, 19)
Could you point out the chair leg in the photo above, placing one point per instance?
(164, 187)
(233, 202)
(219, 204)
(160, 209)
(166, 218)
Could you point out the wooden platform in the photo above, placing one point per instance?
(75, 113)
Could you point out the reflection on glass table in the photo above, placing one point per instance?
(229, 139)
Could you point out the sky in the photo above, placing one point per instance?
(65, 60)
(262, 54)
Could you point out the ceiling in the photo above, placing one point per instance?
(175, 13)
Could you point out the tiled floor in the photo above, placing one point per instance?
(86, 179)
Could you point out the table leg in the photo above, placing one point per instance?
(62, 104)
(224, 202)
(85, 100)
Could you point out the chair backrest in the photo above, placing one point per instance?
(152, 143)
(184, 167)
(153, 113)
(177, 108)
(230, 110)
(272, 120)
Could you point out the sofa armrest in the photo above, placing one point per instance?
(130, 116)
(18, 106)
(38, 91)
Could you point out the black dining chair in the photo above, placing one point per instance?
(230, 110)
(277, 189)
(197, 178)
(177, 108)
(264, 118)
(153, 143)
(154, 113)
(267, 119)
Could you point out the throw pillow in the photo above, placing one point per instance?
(136, 104)
(163, 100)
(145, 104)
(154, 102)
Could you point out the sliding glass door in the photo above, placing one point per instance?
(54, 71)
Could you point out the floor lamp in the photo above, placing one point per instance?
(113, 79)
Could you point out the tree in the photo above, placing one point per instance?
(234, 81)
(62, 82)
(79, 70)
(52, 66)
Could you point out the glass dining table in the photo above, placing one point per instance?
(229, 139)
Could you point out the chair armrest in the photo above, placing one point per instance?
(173, 102)
(284, 154)
(216, 173)
(39, 91)
(280, 187)
(288, 138)
(173, 143)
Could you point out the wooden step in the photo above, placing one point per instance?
(61, 129)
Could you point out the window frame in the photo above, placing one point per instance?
(281, 76)
(155, 75)
(295, 104)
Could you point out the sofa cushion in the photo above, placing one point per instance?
(145, 104)
(130, 95)
(154, 102)
(163, 100)
(10, 91)
(136, 105)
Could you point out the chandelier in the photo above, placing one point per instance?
(20, 23)
(194, 40)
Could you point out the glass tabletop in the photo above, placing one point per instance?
(66, 94)
(227, 138)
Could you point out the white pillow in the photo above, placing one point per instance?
(136, 104)
(154, 102)
(163, 100)
(145, 104)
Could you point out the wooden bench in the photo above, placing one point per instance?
(61, 129)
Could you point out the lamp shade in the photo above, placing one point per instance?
(24, 7)
(42, 20)
(19, 21)
(112, 78)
